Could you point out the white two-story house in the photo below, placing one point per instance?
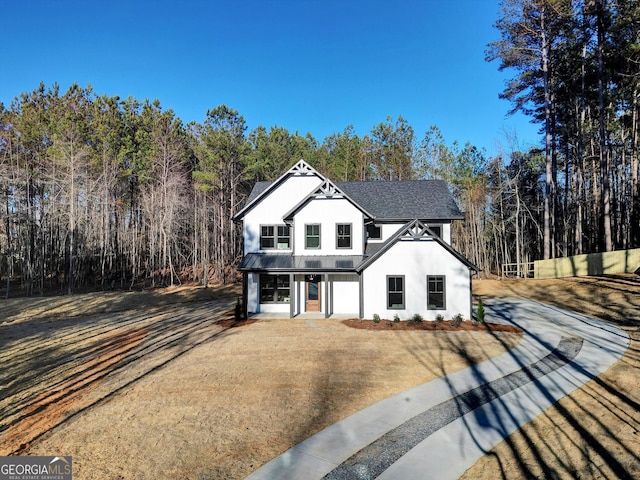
(355, 248)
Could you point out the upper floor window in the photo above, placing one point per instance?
(284, 237)
(343, 235)
(312, 236)
(275, 236)
(374, 232)
(267, 237)
(436, 299)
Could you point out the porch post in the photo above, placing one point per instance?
(326, 295)
(245, 291)
(292, 296)
(470, 296)
(361, 288)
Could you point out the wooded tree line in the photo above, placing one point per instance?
(103, 192)
(577, 74)
(100, 192)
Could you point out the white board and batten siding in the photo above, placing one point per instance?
(415, 260)
(346, 294)
(253, 292)
(328, 212)
(271, 208)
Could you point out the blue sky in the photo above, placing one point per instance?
(309, 66)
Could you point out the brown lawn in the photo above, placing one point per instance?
(164, 384)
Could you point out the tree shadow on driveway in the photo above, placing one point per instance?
(590, 433)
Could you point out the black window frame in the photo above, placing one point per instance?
(437, 229)
(395, 291)
(269, 236)
(377, 228)
(343, 236)
(276, 289)
(286, 229)
(275, 237)
(307, 236)
(443, 280)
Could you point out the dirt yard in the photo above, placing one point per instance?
(156, 386)
(159, 385)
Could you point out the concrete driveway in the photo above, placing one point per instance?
(439, 429)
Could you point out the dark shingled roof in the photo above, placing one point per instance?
(258, 188)
(395, 200)
(404, 200)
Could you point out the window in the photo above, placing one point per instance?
(395, 292)
(274, 288)
(343, 232)
(284, 237)
(374, 232)
(312, 237)
(275, 236)
(437, 229)
(267, 237)
(436, 292)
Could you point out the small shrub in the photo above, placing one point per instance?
(480, 311)
(376, 318)
(457, 320)
(417, 318)
(396, 318)
(439, 318)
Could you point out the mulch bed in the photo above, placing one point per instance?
(407, 325)
(444, 326)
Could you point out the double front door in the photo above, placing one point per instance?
(313, 294)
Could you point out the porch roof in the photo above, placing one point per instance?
(285, 262)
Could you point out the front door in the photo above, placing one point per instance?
(312, 302)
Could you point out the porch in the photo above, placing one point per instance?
(303, 316)
(302, 295)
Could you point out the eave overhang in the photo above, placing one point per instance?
(284, 262)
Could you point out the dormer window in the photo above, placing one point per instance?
(374, 232)
(275, 237)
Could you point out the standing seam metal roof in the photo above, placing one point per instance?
(300, 263)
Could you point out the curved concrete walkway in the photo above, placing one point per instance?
(440, 428)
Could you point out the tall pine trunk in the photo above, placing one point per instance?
(605, 199)
(549, 191)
